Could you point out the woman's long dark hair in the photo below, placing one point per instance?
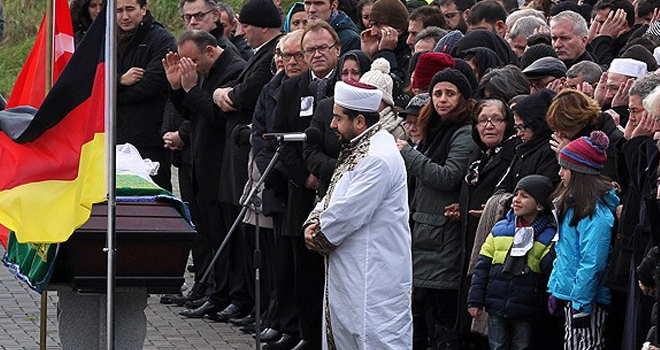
(461, 114)
(581, 194)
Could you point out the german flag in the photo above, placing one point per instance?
(53, 171)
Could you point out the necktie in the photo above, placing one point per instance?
(321, 85)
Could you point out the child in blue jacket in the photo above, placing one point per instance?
(510, 276)
(585, 203)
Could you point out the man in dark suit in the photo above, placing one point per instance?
(298, 98)
(236, 100)
(194, 73)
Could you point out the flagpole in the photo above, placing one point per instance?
(110, 152)
(50, 29)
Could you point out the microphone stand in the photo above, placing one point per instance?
(251, 201)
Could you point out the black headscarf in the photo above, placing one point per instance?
(486, 59)
(364, 62)
(484, 38)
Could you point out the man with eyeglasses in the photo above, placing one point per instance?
(204, 15)
(193, 73)
(141, 90)
(277, 248)
(612, 90)
(327, 10)
(296, 104)
(454, 10)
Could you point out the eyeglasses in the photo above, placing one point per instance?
(288, 56)
(520, 127)
(494, 121)
(323, 49)
(450, 15)
(198, 16)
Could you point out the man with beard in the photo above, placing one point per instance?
(297, 101)
(361, 227)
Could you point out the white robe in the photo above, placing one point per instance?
(369, 274)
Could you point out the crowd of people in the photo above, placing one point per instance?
(485, 176)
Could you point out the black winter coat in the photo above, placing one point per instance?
(246, 90)
(207, 124)
(275, 193)
(140, 106)
(321, 158)
(532, 157)
(288, 118)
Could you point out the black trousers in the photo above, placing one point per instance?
(282, 311)
(229, 272)
(309, 284)
(440, 316)
(249, 244)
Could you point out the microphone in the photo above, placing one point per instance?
(311, 136)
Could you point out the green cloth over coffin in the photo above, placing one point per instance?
(33, 263)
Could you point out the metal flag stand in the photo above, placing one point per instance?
(50, 30)
(110, 168)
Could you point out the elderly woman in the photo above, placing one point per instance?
(495, 135)
(438, 166)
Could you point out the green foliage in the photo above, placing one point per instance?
(23, 18)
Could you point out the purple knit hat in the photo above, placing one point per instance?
(586, 155)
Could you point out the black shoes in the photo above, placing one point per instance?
(193, 304)
(286, 342)
(207, 308)
(303, 345)
(269, 335)
(196, 292)
(242, 321)
(231, 311)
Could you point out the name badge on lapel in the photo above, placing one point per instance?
(306, 106)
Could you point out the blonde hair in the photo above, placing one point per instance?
(571, 110)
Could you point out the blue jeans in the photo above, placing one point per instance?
(505, 334)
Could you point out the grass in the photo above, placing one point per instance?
(23, 18)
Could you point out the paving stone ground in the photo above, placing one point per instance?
(19, 323)
(19, 320)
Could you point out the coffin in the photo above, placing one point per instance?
(153, 241)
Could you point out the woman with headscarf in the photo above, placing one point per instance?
(481, 60)
(321, 158)
(484, 38)
(438, 166)
(296, 18)
(533, 155)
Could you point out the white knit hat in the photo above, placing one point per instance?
(629, 67)
(357, 96)
(379, 76)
